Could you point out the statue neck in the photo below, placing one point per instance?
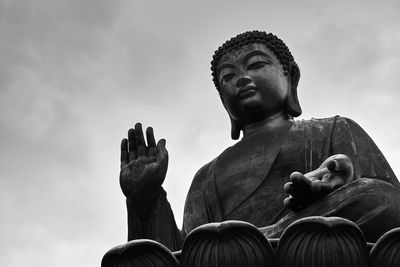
(273, 122)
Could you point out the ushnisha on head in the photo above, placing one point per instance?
(258, 61)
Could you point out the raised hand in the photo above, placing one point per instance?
(143, 167)
(304, 189)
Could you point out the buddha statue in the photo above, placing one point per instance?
(281, 170)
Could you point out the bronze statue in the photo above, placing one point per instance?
(281, 170)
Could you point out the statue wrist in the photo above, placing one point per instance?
(144, 204)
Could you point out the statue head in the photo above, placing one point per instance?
(256, 77)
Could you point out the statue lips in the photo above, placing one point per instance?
(246, 92)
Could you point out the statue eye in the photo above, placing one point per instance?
(227, 77)
(257, 65)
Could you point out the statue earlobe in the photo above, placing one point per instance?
(293, 104)
(235, 129)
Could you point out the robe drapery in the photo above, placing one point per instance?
(246, 183)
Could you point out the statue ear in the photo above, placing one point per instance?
(293, 104)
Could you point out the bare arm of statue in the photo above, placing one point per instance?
(334, 172)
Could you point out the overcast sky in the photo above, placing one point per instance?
(75, 75)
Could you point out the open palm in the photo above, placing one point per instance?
(143, 167)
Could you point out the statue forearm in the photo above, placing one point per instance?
(136, 222)
(157, 222)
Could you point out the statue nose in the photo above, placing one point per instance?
(243, 81)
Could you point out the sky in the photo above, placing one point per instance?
(75, 75)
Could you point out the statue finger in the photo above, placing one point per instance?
(287, 202)
(344, 167)
(161, 145)
(341, 162)
(139, 141)
(161, 150)
(151, 142)
(288, 188)
(291, 203)
(124, 152)
(131, 144)
(294, 176)
(333, 165)
(298, 178)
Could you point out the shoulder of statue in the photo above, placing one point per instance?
(330, 122)
(325, 131)
(345, 124)
(205, 172)
(317, 123)
(201, 176)
(327, 121)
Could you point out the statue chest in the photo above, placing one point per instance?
(241, 169)
(237, 172)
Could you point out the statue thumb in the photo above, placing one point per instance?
(161, 146)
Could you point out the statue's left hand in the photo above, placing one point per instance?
(334, 172)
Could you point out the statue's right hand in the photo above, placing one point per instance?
(143, 167)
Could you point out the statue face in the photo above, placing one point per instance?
(253, 83)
